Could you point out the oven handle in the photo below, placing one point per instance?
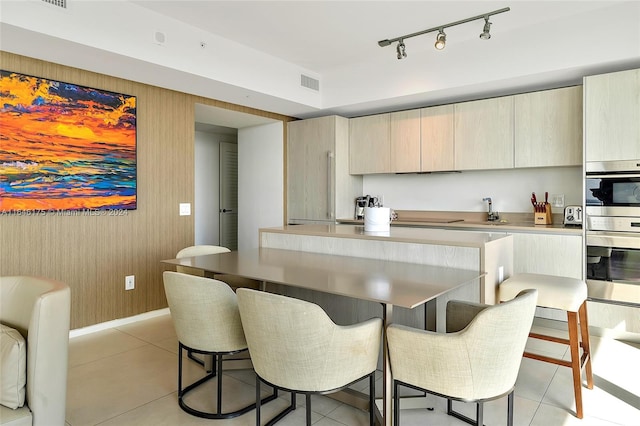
(615, 176)
(614, 240)
(610, 292)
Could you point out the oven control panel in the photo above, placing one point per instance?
(613, 223)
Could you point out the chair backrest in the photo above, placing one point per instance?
(295, 345)
(479, 361)
(39, 309)
(204, 313)
(200, 250)
(496, 339)
(197, 250)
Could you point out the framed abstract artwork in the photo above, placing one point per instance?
(65, 147)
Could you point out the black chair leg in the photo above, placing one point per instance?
(258, 401)
(179, 370)
(218, 360)
(216, 367)
(479, 413)
(396, 404)
(372, 399)
(283, 413)
(510, 409)
(308, 401)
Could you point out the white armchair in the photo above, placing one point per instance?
(296, 347)
(476, 360)
(39, 309)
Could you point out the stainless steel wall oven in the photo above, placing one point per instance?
(612, 207)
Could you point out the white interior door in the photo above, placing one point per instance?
(260, 181)
(228, 212)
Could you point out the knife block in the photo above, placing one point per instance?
(543, 218)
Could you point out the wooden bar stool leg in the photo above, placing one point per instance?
(586, 344)
(574, 346)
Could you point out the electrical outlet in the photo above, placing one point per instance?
(129, 282)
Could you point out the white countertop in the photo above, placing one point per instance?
(510, 222)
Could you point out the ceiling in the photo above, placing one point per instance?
(327, 35)
(253, 53)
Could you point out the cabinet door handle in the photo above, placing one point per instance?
(330, 212)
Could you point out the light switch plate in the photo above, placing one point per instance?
(185, 209)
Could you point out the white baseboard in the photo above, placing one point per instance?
(117, 323)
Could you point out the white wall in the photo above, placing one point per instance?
(510, 190)
(207, 186)
(260, 181)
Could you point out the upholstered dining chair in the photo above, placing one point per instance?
(204, 249)
(233, 281)
(197, 250)
(207, 321)
(200, 250)
(296, 347)
(477, 360)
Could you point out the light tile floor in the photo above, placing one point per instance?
(127, 376)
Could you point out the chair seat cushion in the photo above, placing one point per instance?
(553, 291)
(19, 417)
(13, 367)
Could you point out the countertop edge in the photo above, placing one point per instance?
(433, 236)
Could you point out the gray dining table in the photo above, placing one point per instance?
(389, 283)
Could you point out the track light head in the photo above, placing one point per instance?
(441, 40)
(401, 49)
(485, 31)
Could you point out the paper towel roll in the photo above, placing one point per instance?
(376, 219)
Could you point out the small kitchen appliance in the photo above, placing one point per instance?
(573, 215)
(361, 203)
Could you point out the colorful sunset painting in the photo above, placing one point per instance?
(65, 146)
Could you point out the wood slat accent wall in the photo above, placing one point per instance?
(93, 254)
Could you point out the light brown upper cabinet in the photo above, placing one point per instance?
(548, 128)
(319, 186)
(484, 134)
(437, 138)
(612, 116)
(405, 141)
(369, 144)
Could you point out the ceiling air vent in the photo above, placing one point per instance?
(59, 3)
(310, 83)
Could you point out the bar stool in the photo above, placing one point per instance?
(567, 294)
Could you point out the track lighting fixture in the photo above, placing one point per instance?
(441, 38)
(485, 31)
(401, 50)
